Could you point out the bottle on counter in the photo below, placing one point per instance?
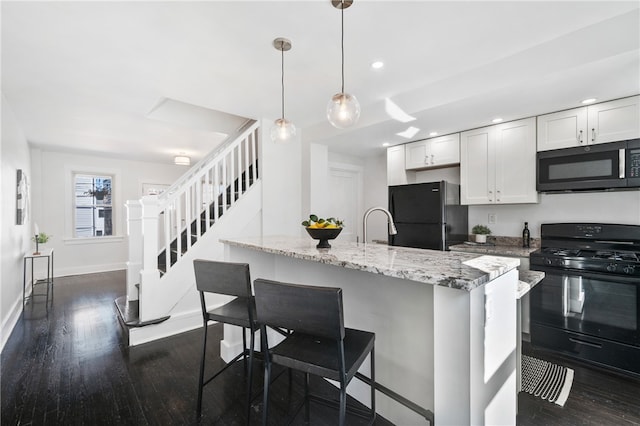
(526, 236)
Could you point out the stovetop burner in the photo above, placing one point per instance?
(617, 256)
(608, 249)
(554, 251)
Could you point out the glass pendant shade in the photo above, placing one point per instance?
(343, 110)
(283, 131)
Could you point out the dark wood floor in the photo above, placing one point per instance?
(69, 366)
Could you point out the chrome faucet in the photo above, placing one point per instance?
(392, 226)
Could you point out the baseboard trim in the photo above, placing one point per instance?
(177, 324)
(90, 269)
(12, 319)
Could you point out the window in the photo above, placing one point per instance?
(93, 212)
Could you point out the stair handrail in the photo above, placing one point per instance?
(197, 168)
(185, 202)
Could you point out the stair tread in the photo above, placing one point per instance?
(129, 312)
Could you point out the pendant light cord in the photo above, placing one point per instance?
(282, 66)
(342, 41)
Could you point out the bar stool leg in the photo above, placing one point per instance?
(201, 378)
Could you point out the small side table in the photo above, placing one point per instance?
(48, 254)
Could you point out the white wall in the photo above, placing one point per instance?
(54, 215)
(606, 207)
(14, 239)
(281, 173)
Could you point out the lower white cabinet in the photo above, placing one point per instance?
(498, 164)
(435, 152)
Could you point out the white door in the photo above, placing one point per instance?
(345, 199)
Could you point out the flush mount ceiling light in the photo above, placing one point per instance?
(589, 101)
(343, 109)
(497, 120)
(377, 65)
(283, 131)
(182, 160)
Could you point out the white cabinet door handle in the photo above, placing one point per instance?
(593, 135)
(580, 137)
(426, 159)
(432, 159)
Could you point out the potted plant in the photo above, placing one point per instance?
(481, 232)
(40, 238)
(100, 191)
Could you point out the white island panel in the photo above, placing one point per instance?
(432, 344)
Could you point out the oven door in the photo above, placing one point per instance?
(589, 304)
(583, 168)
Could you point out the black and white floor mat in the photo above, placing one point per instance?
(546, 380)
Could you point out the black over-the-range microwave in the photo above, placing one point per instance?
(614, 165)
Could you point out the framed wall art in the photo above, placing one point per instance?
(22, 197)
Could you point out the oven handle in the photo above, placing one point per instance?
(582, 342)
(628, 243)
(621, 161)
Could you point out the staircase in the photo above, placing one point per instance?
(220, 194)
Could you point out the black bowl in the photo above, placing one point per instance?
(324, 235)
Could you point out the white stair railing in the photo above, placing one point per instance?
(173, 221)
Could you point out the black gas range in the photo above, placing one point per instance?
(588, 305)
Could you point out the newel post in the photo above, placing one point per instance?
(134, 235)
(149, 275)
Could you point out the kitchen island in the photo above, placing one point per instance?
(445, 322)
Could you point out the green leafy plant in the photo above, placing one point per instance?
(480, 230)
(318, 222)
(42, 238)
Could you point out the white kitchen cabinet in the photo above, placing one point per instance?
(599, 123)
(498, 164)
(562, 129)
(396, 173)
(434, 152)
(614, 121)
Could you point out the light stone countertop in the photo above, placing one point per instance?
(495, 250)
(463, 271)
(528, 278)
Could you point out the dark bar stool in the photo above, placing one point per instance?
(230, 279)
(319, 345)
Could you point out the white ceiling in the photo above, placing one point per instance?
(83, 76)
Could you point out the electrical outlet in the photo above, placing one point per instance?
(492, 218)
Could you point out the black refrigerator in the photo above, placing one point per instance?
(428, 215)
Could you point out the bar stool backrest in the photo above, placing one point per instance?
(222, 277)
(309, 310)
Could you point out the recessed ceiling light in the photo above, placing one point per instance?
(589, 101)
(377, 65)
(496, 120)
(386, 144)
(433, 134)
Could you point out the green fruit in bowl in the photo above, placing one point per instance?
(315, 222)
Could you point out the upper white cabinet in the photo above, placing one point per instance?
(498, 164)
(435, 152)
(600, 123)
(614, 121)
(396, 173)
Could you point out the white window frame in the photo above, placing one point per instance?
(116, 202)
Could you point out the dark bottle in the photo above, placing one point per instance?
(526, 236)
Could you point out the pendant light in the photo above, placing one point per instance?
(343, 109)
(283, 130)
